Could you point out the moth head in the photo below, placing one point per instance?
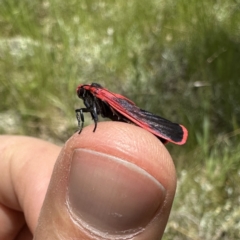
(81, 91)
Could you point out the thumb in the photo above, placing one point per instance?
(116, 183)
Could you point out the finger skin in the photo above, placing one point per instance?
(121, 140)
(26, 165)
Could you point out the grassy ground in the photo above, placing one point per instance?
(178, 59)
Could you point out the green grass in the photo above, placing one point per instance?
(178, 59)
(207, 199)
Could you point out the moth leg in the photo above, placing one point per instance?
(80, 117)
(94, 115)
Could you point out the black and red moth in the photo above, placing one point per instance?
(99, 100)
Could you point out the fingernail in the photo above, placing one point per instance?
(110, 195)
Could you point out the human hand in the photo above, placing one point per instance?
(116, 183)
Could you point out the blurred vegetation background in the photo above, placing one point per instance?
(178, 59)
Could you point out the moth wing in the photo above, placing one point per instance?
(161, 127)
